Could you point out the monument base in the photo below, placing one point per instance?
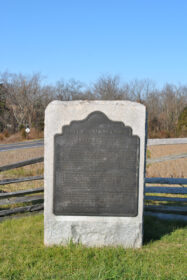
(94, 231)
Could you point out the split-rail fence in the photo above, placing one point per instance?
(164, 197)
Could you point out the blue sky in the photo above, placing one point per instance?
(84, 39)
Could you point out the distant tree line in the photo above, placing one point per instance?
(23, 100)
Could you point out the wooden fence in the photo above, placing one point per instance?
(162, 195)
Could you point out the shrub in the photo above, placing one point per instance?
(21, 127)
(1, 137)
(23, 133)
(182, 123)
(6, 133)
(148, 154)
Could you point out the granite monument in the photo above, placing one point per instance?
(94, 173)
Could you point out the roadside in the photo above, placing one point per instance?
(21, 136)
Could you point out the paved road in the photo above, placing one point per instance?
(168, 141)
(21, 145)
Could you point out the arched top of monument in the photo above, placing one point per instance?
(95, 122)
(75, 103)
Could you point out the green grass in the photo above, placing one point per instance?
(27, 171)
(23, 172)
(23, 255)
(148, 153)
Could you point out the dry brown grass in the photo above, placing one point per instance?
(21, 186)
(9, 157)
(165, 150)
(171, 168)
(20, 136)
(17, 137)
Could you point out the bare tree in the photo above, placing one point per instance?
(23, 99)
(107, 88)
(173, 101)
(22, 93)
(68, 90)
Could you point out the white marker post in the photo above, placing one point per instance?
(27, 130)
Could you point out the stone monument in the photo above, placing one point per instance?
(94, 173)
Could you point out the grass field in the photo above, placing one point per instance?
(24, 257)
(26, 171)
(173, 168)
(9, 157)
(166, 150)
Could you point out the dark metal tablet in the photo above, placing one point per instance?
(96, 167)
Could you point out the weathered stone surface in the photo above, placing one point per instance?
(92, 230)
(95, 232)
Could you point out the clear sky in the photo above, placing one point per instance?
(84, 39)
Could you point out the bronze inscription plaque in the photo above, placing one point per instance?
(96, 167)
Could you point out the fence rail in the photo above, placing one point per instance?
(166, 158)
(155, 201)
(20, 180)
(21, 163)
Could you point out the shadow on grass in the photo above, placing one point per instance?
(155, 228)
